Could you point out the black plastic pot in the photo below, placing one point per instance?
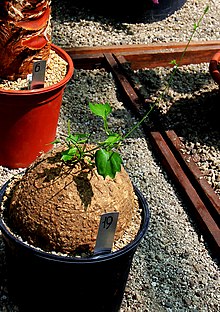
(138, 11)
(43, 282)
(165, 8)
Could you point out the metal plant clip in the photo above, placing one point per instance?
(106, 233)
(38, 74)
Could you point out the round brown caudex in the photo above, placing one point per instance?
(57, 206)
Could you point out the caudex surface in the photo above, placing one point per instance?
(25, 35)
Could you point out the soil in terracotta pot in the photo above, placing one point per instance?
(56, 70)
(57, 206)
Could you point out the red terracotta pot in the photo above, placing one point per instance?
(214, 68)
(28, 120)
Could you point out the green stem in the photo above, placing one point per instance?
(106, 125)
(139, 123)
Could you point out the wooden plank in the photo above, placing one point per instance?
(150, 56)
(203, 186)
(140, 47)
(206, 221)
(163, 58)
(88, 61)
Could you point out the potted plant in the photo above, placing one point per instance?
(58, 249)
(160, 9)
(147, 10)
(214, 68)
(28, 118)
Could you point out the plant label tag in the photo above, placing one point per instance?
(106, 233)
(29, 80)
(38, 74)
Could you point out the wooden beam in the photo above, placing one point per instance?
(163, 58)
(145, 55)
(88, 61)
(141, 47)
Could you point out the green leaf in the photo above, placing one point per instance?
(112, 139)
(173, 62)
(72, 138)
(78, 138)
(66, 157)
(55, 141)
(69, 154)
(108, 163)
(206, 9)
(101, 110)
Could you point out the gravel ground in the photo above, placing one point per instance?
(173, 269)
(84, 27)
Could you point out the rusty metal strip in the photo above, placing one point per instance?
(206, 221)
(128, 91)
(209, 196)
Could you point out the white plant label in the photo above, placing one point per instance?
(29, 80)
(38, 74)
(106, 232)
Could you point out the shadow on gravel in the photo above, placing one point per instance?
(185, 82)
(192, 107)
(197, 119)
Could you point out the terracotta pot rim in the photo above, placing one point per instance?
(213, 67)
(55, 86)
